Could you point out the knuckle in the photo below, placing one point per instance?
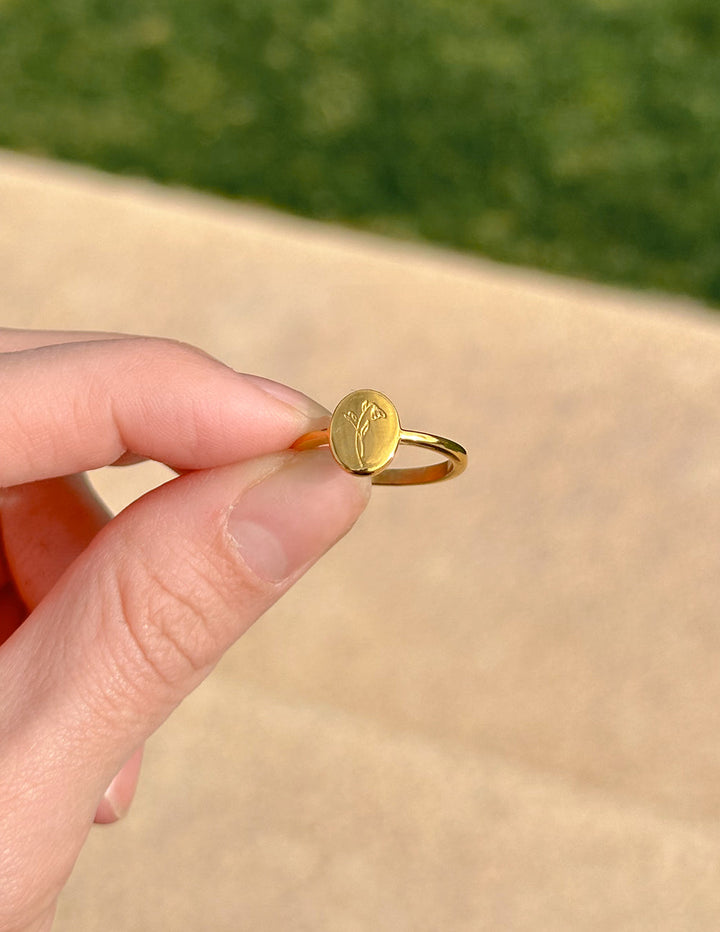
(168, 353)
(175, 615)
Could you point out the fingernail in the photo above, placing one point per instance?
(295, 514)
(110, 809)
(302, 403)
(117, 798)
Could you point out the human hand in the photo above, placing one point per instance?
(116, 621)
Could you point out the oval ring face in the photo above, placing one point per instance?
(364, 432)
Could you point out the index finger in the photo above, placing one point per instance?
(13, 339)
(75, 406)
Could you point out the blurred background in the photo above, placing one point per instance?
(579, 136)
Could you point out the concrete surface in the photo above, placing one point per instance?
(495, 705)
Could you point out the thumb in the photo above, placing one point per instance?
(143, 615)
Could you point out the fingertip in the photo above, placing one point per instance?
(118, 797)
(308, 407)
(285, 522)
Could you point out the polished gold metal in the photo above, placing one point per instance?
(364, 436)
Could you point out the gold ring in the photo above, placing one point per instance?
(364, 435)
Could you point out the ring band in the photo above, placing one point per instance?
(364, 435)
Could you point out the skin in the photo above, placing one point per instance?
(107, 624)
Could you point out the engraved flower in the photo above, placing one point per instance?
(369, 411)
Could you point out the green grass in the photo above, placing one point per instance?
(581, 136)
